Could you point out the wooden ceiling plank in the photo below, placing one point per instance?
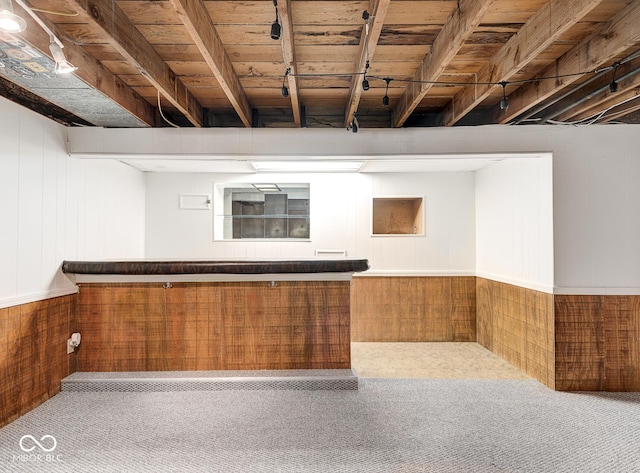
(460, 25)
(611, 39)
(196, 19)
(106, 16)
(368, 45)
(542, 29)
(288, 50)
(89, 70)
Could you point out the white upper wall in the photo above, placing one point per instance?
(340, 220)
(514, 222)
(595, 174)
(55, 207)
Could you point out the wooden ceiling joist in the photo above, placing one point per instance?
(626, 92)
(455, 32)
(544, 27)
(113, 23)
(367, 49)
(196, 19)
(288, 50)
(613, 38)
(89, 69)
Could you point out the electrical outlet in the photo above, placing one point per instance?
(70, 347)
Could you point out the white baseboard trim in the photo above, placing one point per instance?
(36, 296)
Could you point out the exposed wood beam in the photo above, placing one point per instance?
(288, 49)
(542, 29)
(89, 69)
(368, 43)
(196, 19)
(612, 39)
(113, 23)
(460, 25)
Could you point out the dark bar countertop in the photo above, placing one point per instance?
(152, 267)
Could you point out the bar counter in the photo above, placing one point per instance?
(144, 315)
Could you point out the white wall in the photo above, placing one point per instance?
(340, 219)
(55, 208)
(596, 171)
(514, 222)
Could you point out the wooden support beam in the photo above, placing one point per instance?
(196, 19)
(608, 41)
(89, 69)
(121, 33)
(542, 29)
(368, 43)
(288, 50)
(460, 25)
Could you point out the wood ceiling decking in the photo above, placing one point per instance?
(213, 62)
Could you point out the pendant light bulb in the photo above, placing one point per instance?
(504, 103)
(275, 27)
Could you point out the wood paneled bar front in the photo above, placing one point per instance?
(214, 315)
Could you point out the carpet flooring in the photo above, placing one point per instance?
(386, 426)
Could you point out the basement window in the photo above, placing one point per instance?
(265, 211)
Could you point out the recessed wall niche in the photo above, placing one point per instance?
(397, 216)
(261, 211)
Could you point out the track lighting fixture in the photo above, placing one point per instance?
(504, 103)
(9, 21)
(284, 89)
(275, 27)
(62, 65)
(613, 87)
(385, 99)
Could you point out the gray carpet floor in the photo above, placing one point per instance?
(387, 426)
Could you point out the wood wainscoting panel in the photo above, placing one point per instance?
(214, 326)
(517, 324)
(413, 309)
(33, 353)
(597, 343)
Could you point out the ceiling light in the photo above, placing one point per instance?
(9, 21)
(275, 27)
(365, 84)
(284, 90)
(385, 99)
(307, 166)
(267, 187)
(62, 65)
(504, 103)
(613, 87)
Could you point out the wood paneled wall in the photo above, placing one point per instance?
(413, 309)
(33, 353)
(214, 326)
(597, 343)
(517, 324)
